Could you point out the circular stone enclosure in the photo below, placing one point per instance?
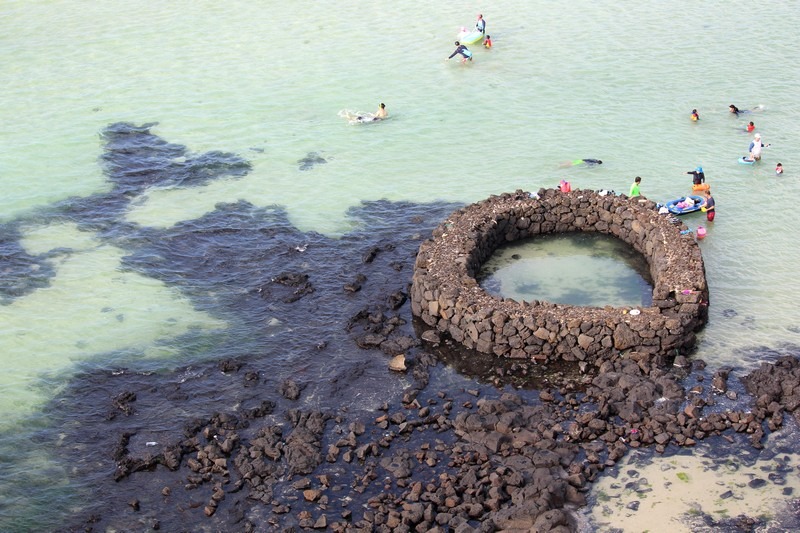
(445, 294)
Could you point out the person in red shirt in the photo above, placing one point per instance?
(487, 43)
(751, 126)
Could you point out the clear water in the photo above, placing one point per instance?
(577, 269)
(266, 81)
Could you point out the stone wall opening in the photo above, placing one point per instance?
(446, 295)
(578, 268)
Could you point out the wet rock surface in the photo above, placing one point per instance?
(447, 297)
(467, 460)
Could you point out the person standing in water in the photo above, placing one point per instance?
(698, 176)
(635, 188)
(381, 113)
(487, 43)
(463, 50)
(480, 25)
(750, 127)
(710, 206)
(695, 115)
(755, 148)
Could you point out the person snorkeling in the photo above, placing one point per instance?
(576, 162)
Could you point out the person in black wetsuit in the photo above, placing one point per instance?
(576, 162)
(698, 176)
(463, 50)
(733, 109)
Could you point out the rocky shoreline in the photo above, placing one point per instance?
(438, 460)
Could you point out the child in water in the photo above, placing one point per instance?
(751, 126)
(695, 115)
(487, 43)
(778, 169)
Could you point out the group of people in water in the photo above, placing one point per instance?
(461, 49)
(754, 152)
(756, 145)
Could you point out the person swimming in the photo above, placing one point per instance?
(576, 162)
(695, 115)
(779, 169)
(750, 127)
(736, 111)
(360, 118)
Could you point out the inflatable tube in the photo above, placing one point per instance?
(673, 208)
(701, 187)
(744, 161)
(469, 37)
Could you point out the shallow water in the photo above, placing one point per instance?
(83, 286)
(644, 495)
(581, 269)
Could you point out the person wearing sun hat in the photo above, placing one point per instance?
(755, 147)
(698, 176)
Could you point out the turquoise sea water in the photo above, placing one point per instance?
(564, 81)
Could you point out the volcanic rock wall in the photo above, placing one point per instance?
(446, 295)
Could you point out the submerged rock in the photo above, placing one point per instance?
(310, 160)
